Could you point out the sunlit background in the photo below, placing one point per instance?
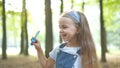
(36, 21)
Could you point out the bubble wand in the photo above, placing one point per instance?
(33, 40)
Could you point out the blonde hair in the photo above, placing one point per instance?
(88, 52)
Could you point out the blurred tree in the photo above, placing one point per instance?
(24, 32)
(0, 8)
(48, 23)
(61, 6)
(1, 23)
(83, 5)
(61, 11)
(72, 4)
(4, 39)
(103, 34)
(13, 19)
(13, 32)
(112, 22)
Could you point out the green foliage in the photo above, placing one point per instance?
(13, 19)
(13, 27)
(112, 21)
(0, 8)
(114, 38)
(0, 23)
(0, 12)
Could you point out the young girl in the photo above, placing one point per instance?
(77, 51)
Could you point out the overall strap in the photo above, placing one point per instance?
(78, 52)
(62, 45)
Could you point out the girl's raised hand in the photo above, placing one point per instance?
(37, 45)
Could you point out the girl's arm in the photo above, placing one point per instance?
(44, 62)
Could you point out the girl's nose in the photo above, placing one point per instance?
(61, 30)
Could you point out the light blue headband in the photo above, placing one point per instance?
(75, 15)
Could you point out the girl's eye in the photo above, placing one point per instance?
(64, 27)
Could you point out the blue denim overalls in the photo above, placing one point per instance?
(65, 60)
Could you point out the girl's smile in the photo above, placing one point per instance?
(63, 36)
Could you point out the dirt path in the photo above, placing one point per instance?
(19, 62)
(32, 62)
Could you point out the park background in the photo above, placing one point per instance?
(21, 19)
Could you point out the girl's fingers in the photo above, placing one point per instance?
(37, 45)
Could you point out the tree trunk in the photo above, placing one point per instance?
(83, 5)
(22, 41)
(25, 28)
(4, 39)
(24, 34)
(61, 11)
(103, 34)
(48, 23)
(72, 4)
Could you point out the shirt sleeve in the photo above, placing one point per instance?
(53, 53)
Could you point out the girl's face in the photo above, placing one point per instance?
(68, 31)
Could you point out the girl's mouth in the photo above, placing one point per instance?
(63, 36)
